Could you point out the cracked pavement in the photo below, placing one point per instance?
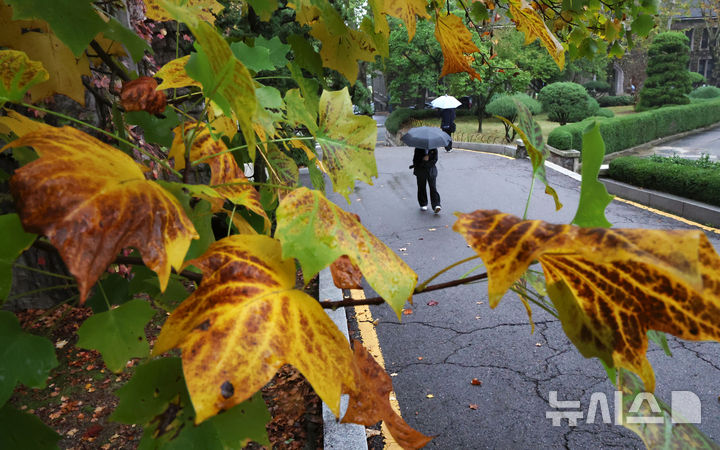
(437, 350)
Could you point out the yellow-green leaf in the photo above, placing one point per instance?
(406, 10)
(609, 286)
(245, 321)
(456, 43)
(348, 142)
(342, 51)
(92, 200)
(18, 124)
(174, 76)
(529, 22)
(18, 73)
(317, 232)
(204, 9)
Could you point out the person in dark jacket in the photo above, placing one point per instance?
(426, 173)
(447, 124)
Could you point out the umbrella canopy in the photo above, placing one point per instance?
(426, 138)
(445, 102)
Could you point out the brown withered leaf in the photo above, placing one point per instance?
(345, 274)
(92, 200)
(141, 94)
(457, 45)
(227, 177)
(610, 286)
(533, 26)
(370, 401)
(245, 321)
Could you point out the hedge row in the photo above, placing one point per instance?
(616, 100)
(401, 115)
(622, 132)
(689, 181)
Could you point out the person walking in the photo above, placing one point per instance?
(447, 124)
(426, 173)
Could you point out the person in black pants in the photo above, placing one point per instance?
(426, 173)
(447, 124)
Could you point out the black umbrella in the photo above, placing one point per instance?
(426, 138)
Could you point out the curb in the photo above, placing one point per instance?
(341, 436)
(688, 209)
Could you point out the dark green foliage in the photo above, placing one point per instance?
(567, 102)
(668, 80)
(622, 132)
(604, 112)
(705, 92)
(397, 118)
(530, 103)
(597, 88)
(362, 99)
(696, 180)
(615, 100)
(697, 79)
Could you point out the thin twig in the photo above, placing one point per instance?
(109, 61)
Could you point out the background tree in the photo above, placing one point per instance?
(668, 80)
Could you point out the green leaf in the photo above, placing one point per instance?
(271, 101)
(317, 177)
(75, 22)
(642, 25)
(24, 357)
(255, 58)
(308, 89)
(264, 8)
(135, 45)
(114, 287)
(316, 232)
(531, 135)
(347, 141)
(13, 241)
(158, 387)
(24, 155)
(305, 55)
(660, 339)
(19, 430)
(299, 112)
(200, 215)
(158, 130)
(479, 12)
(118, 334)
(174, 294)
(144, 280)
(594, 197)
(278, 50)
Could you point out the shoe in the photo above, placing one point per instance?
(437, 209)
(423, 208)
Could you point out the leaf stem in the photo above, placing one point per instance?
(423, 286)
(527, 204)
(105, 297)
(297, 138)
(231, 219)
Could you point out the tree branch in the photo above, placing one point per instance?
(109, 61)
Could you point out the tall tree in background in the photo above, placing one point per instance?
(668, 80)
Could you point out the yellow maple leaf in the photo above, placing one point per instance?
(92, 200)
(610, 286)
(42, 45)
(173, 74)
(342, 51)
(529, 22)
(245, 321)
(456, 43)
(18, 124)
(406, 10)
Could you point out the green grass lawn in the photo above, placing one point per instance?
(493, 129)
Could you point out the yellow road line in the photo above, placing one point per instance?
(666, 214)
(372, 344)
(486, 153)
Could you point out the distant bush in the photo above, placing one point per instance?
(616, 100)
(604, 112)
(398, 117)
(668, 80)
(705, 92)
(696, 180)
(697, 79)
(530, 103)
(567, 102)
(597, 88)
(626, 131)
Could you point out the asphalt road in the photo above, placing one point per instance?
(437, 350)
(693, 146)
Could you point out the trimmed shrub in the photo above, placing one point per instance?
(604, 112)
(567, 102)
(530, 103)
(616, 100)
(397, 118)
(626, 131)
(668, 80)
(693, 180)
(597, 88)
(697, 79)
(705, 92)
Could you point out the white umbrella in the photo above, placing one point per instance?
(445, 102)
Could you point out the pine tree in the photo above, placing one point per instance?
(668, 80)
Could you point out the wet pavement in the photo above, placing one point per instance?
(692, 147)
(438, 349)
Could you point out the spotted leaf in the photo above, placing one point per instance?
(173, 74)
(92, 200)
(317, 232)
(406, 10)
(245, 321)
(141, 94)
(347, 141)
(610, 286)
(227, 177)
(18, 74)
(457, 45)
(204, 9)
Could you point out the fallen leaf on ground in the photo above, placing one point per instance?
(430, 396)
(473, 406)
(407, 311)
(476, 382)
(432, 303)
